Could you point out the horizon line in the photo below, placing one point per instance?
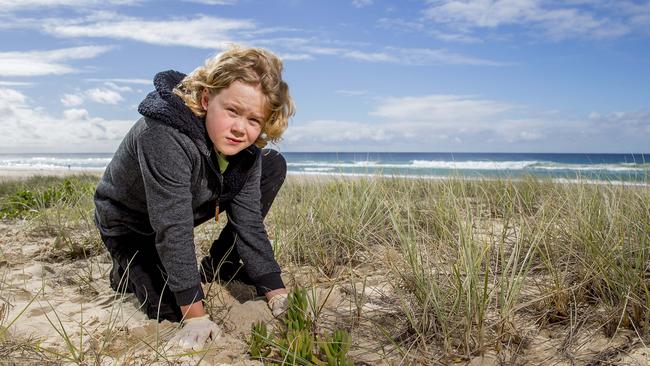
(375, 152)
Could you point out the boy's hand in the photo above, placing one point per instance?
(278, 301)
(195, 333)
(193, 310)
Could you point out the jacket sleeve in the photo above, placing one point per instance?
(166, 169)
(252, 241)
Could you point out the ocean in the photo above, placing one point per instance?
(608, 167)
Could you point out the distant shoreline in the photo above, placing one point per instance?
(559, 167)
(17, 173)
(7, 174)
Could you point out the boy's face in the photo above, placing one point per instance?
(234, 116)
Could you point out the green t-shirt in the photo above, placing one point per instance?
(222, 161)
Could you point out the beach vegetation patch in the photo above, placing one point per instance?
(420, 271)
(297, 341)
(24, 198)
(477, 265)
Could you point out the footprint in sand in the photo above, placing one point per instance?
(38, 312)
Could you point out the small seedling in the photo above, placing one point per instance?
(295, 342)
(259, 343)
(336, 347)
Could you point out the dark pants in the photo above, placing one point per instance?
(137, 267)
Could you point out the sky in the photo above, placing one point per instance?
(568, 76)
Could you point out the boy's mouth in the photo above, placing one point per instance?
(232, 140)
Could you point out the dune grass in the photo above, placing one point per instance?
(467, 249)
(472, 264)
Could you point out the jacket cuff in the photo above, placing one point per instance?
(268, 282)
(189, 296)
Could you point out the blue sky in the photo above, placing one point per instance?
(366, 75)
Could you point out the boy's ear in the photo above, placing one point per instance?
(205, 99)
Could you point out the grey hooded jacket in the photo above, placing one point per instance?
(163, 180)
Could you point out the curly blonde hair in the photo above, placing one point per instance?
(253, 66)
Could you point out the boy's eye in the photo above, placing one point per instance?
(253, 120)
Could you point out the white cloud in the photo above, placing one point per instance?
(441, 110)
(11, 96)
(329, 131)
(412, 122)
(14, 66)
(104, 96)
(632, 123)
(218, 33)
(97, 95)
(37, 63)
(405, 56)
(295, 57)
(369, 56)
(13, 5)
(424, 56)
(555, 19)
(351, 93)
(118, 88)
(15, 83)
(524, 130)
(361, 3)
(482, 13)
(123, 81)
(76, 115)
(418, 26)
(454, 37)
(212, 2)
(418, 123)
(27, 128)
(72, 100)
(200, 32)
(401, 25)
(639, 14)
(466, 123)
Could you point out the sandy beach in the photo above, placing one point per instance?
(56, 304)
(67, 307)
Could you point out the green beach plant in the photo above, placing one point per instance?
(297, 341)
(336, 347)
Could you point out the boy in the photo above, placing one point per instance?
(195, 153)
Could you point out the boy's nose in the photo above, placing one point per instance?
(238, 125)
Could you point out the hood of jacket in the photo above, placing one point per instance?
(166, 107)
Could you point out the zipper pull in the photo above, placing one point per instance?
(216, 214)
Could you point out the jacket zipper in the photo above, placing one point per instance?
(216, 210)
(218, 173)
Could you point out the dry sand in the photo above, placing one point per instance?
(68, 309)
(68, 306)
(55, 301)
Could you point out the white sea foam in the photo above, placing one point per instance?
(319, 169)
(53, 163)
(469, 178)
(524, 165)
(624, 167)
(374, 166)
(473, 165)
